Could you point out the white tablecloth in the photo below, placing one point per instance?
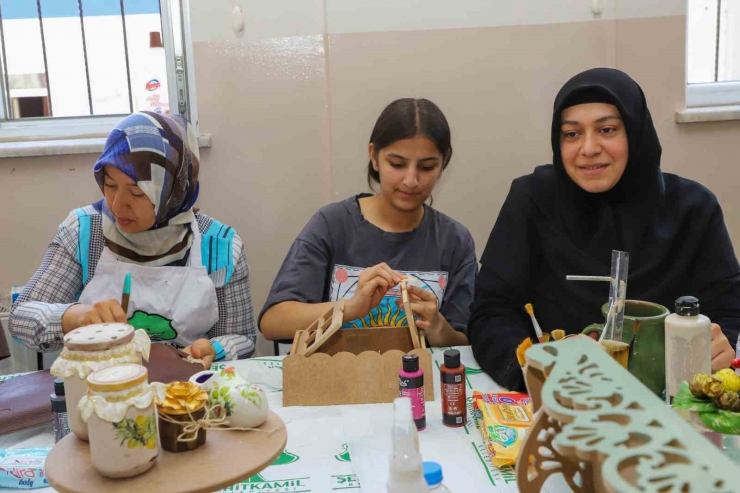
(338, 448)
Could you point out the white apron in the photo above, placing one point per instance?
(173, 304)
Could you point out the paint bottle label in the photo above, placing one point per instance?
(453, 399)
(60, 426)
(413, 388)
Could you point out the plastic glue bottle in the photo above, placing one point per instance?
(434, 477)
(405, 472)
(688, 345)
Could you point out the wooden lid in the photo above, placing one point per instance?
(116, 378)
(98, 337)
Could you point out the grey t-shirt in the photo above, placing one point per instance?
(325, 260)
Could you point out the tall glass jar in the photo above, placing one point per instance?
(92, 348)
(120, 412)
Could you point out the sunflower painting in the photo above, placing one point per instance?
(387, 313)
(139, 432)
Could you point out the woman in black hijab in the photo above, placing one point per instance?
(604, 191)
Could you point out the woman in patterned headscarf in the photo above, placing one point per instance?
(190, 280)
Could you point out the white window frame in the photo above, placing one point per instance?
(713, 94)
(711, 101)
(93, 130)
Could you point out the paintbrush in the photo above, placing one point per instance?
(126, 293)
(530, 310)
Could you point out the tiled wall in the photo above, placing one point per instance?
(292, 103)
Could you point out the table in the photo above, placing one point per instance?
(330, 448)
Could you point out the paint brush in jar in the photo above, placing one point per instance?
(126, 294)
(530, 310)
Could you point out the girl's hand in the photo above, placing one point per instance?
(372, 286)
(424, 304)
(202, 350)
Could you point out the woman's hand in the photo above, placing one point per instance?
(722, 353)
(372, 286)
(202, 350)
(102, 312)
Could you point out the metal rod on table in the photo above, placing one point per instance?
(617, 294)
(590, 278)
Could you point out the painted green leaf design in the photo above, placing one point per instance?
(138, 432)
(686, 401)
(252, 397)
(223, 391)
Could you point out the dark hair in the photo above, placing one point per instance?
(406, 118)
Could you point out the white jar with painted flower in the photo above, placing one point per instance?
(120, 412)
(91, 348)
(230, 397)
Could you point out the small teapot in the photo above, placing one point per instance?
(231, 397)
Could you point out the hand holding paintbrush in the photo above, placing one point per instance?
(104, 311)
(126, 294)
(556, 335)
(537, 329)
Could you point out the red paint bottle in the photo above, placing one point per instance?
(452, 377)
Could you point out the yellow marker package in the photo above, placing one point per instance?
(503, 418)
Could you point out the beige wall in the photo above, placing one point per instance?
(291, 106)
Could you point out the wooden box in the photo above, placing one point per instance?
(329, 366)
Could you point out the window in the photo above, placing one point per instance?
(713, 53)
(74, 68)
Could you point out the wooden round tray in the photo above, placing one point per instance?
(226, 458)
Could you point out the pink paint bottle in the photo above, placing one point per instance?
(411, 385)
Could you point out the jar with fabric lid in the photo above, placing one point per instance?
(120, 412)
(91, 348)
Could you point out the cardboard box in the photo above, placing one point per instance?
(328, 366)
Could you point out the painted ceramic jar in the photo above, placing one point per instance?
(230, 396)
(92, 348)
(120, 412)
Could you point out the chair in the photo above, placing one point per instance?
(16, 291)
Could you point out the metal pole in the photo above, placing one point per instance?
(125, 48)
(590, 278)
(6, 89)
(46, 65)
(84, 52)
(716, 49)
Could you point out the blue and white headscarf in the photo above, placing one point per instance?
(160, 154)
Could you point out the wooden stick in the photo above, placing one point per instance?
(298, 340)
(409, 315)
(336, 324)
(320, 327)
